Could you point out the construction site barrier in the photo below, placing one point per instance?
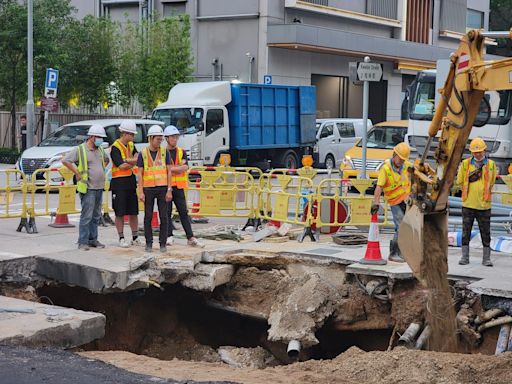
(223, 191)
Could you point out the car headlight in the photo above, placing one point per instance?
(347, 162)
(195, 152)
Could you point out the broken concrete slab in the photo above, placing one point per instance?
(17, 268)
(35, 324)
(258, 357)
(207, 277)
(493, 287)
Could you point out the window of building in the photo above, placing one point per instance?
(474, 19)
(346, 129)
(214, 120)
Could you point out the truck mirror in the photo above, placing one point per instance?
(200, 126)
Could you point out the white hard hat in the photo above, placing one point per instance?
(96, 130)
(171, 130)
(155, 130)
(128, 126)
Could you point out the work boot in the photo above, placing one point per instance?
(464, 260)
(394, 253)
(487, 257)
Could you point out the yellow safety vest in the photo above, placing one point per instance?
(125, 153)
(398, 185)
(155, 172)
(83, 169)
(479, 195)
(179, 180)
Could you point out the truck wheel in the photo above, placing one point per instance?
(289, 160)
(329, 162)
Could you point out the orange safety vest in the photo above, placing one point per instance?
(398, 186)
(125, 153)
(155, 172)
(487, 182)
(179, 180)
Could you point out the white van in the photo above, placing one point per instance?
(49, 152)
(334, 137)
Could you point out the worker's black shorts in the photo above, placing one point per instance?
(124, 202)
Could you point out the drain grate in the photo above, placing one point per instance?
(324, 251)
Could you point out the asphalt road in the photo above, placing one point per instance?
(21, 365)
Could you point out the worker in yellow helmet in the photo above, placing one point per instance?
(395, 182)
(476, 177)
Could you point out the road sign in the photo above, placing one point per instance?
(49, 104)
(267, 79)
(51, 83)
(369, 71)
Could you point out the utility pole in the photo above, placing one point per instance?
(30, 77)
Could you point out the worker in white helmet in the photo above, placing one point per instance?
(89, 171)
(154, 165)
(124, 184)
(179, 183)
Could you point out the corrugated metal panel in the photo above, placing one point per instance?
(319, 2)
(382, 8)
(453, 15)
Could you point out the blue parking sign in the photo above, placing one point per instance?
(52, 78)
(267, 79)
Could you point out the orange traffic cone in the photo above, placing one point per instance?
(196, 206)
(155, 223)
(61, 221)
(373, 255)
(126, 219)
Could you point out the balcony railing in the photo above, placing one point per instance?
(318, 2)
(382, 8)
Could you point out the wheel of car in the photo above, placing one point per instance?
(289, 160)
(329, 162)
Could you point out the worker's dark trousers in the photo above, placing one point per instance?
(152, 194)
(180, 201)
(483, 218)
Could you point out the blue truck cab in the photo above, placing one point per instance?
(267, 126)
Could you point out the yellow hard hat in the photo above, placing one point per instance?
(402, 150)
(477, 145)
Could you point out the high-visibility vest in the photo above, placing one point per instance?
(126, 152)
(398, 185)
(83, 169)
(179, 180)
(486, 176)
(155, 171)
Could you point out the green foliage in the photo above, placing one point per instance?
(9, 155)
(500, 19)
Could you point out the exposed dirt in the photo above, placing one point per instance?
(353, 366)
(20, 292)
(408, 305)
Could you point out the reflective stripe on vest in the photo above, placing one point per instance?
(487, 182)
(179, 180)
(398, 186)
(155, 171)
(125, 153)
(81, 185)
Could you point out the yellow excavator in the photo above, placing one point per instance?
(422, 236)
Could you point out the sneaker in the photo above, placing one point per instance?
(123, 243)
(170, 240)
(193, 242)
(163, 249)
(137, 242)
(96, 244)
(149, 248)
(83, 247)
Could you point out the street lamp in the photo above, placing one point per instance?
(30, 77)
(251, 60)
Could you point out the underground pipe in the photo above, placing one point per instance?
(293, 349)
(423, 338)
(509, 345)
(493, 323)
(502, 343)
(409, 335)
(488, 315)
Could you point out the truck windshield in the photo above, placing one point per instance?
(185, 119)
(384, 137)
(69, 136)
(422, 104)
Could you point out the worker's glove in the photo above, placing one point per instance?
(374, 209)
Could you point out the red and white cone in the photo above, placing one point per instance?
(61, 221)
(196, 206)
(373, 255)
(155, 223)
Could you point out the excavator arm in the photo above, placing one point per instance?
(423, 232)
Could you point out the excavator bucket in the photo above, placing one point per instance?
(423, 241)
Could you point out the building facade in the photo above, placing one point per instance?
(312, 42)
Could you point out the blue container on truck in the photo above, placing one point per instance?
(258, 125)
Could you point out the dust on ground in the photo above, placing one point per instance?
(353, 366)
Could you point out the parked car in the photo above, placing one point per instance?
(49, 152)
(381, 140)
(334, 137)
